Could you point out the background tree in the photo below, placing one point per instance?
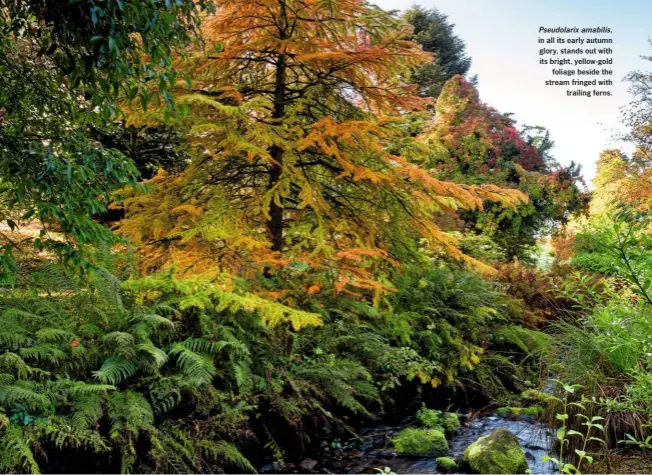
(63, 68)
(150, 148)
(473, 142)
(610, 183)
(106, 47)
(434, 32)
(52, 170)
(636, 184)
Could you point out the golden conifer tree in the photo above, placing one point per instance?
(305, 161)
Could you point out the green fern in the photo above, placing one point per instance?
(115, 369)
(198, 367)
(15, 452)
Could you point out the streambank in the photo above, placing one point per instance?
(375, 451)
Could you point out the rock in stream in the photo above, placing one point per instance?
(375, 451)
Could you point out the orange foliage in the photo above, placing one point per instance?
(299, 110)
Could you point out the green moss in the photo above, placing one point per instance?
(446, 421)
(504, 411)
(498, 452)
(446, 464)
(536, 395)
(430, 418)
(533, 411)
(420, 441)
(451, 422)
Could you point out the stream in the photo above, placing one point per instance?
(375, 450)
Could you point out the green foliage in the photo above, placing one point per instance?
(434, 32)
(108, 48)
(53, 172)
(147, 365)
(445, 315)
(592, 430)
(420, 441)
(64, 66)
(619, 245)
(470, 141)
(189, 367)
(614, 336)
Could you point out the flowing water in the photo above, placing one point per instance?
(375, 451)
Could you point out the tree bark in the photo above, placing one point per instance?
(275, 222)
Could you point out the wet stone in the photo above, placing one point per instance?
(376, 450)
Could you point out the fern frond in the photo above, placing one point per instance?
(23, 316)
(43, 352)
(79, 389)
(21, 393)
(223, 450)
(63, 434)
(86, 411)
(15, 451)
(118, 339)
(115, 369)
(54, 335)
(156, 322)
(157, 356)
(129, 412)
(13, 340)
(197, 366)
(13, 362)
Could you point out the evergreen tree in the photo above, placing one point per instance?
(435, 33)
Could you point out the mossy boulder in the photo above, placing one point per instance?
(451, 422)
(420, 441)
(446, 464)
(498, 452)
(446, 421)
(430, 417)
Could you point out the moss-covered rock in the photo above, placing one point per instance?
(430, 417)
(538, 396)
(533, 411)
(446, 464)
(451, 422)
(420, 441)
(498, 452)
(446, 421)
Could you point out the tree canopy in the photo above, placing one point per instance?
(473, 142)
(434, 32)
(301, 112)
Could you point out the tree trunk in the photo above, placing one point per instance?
(275, 222)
